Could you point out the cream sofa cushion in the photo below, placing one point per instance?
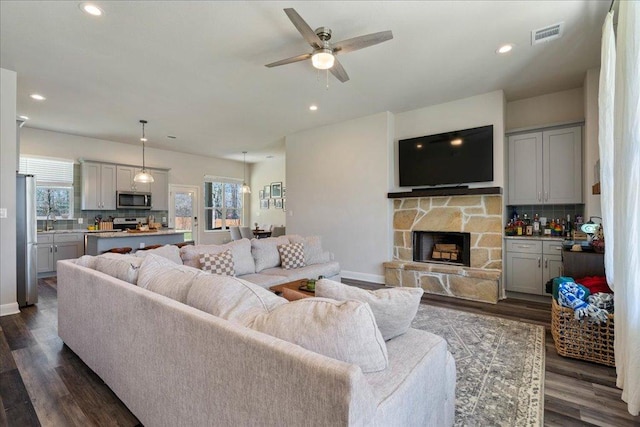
(240, 249)
(164, 277)
(170, 252)
(230, 298)
(313, 253)
(343, 330)
(394, 308)
(123, 267)
(265, 252)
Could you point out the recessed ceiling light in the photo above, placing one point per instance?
(313, 107)
(269, 157)
(37, 97)
(505, 48)
(171, 136)
(24, 117)
(91, 9)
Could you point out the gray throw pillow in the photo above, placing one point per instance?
(394, 308)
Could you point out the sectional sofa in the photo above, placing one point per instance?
(183, 347)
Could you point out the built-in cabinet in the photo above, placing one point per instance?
(56, 247)
(98, 186)
(545, 167)
(531, 263)
(100, 181)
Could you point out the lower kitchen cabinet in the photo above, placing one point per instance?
(56, 247)
(531, 263)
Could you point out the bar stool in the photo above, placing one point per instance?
(150, 247)
(182, 244)
(121, 251)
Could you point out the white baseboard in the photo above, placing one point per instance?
(365, 277)
(8, 309)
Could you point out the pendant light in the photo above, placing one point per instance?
(245, 188)
(143, 176)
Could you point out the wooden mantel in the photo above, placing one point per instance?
(450, 191)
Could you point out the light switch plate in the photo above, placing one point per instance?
(80, 220)
(3, 212)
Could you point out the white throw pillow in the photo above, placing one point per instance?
(313, 253)
(123, 267)
(164, 277)
(291, 256)
(343, 330)
(170, 252)
(230, 298)
(220, 264)
(394, 308)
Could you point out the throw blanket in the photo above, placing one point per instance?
(574, 296)
(603, 300)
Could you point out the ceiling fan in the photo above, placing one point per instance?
(324, 52)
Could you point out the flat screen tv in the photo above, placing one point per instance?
(457, 157)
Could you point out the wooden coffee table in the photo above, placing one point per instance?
(291, 290)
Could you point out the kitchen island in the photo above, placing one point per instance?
(100, 242)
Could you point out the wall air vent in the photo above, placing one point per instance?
(547, 34)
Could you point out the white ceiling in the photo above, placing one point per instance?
(196, 69)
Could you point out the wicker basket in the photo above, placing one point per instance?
(581, 339)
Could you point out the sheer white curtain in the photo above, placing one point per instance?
(620, 168)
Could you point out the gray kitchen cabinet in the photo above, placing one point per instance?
(545, 167)
(56, 247)
(531, 263)
(124, 181)
(159, 190)
(98, 186)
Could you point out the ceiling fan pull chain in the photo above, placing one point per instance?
(327, 79)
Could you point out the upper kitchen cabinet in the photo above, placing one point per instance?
(159, 190)
(125, 179)
(98, 186)
(545, 167)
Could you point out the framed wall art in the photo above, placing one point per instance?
(264, 204)
(277, 203)
(276, 190)
(266, 192)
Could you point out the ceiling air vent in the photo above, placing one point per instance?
(547, 34)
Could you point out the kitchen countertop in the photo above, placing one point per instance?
(111, 234)
(76, 230)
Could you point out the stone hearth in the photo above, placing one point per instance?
(479, 215)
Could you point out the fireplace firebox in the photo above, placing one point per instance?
(442, 247)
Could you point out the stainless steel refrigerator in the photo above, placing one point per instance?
(26, 240)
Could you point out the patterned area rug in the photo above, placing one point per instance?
(499, 363)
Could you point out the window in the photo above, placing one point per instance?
(54, 185)
(222, 203)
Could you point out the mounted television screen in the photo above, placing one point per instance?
(448, 158)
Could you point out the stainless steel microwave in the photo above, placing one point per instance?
(133, 200)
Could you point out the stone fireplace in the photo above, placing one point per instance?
(474, 220)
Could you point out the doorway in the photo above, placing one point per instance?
(183, 210)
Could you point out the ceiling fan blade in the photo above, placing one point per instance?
(290, 60)
(361, 42)
(338, 71)
(309, 35)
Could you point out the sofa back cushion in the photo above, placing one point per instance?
(393, 308)
(230, 298)
(123, 267)
(170, 252)
(240, 249)
(343, 330)
(164, 277)
(313, 253)
(265, 252)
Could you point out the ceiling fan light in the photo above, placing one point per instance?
(143, 177)
(322, 59)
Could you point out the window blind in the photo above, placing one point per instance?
(48, 172)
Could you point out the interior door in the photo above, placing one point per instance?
(183, 210)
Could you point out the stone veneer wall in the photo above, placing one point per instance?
(479, 215)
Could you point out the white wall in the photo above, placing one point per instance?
(338, 177)
(8, 294)
(557, 107)
(262, 174)
(480, 110)
(186, 169)
(591, 152)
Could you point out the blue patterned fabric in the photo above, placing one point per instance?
(574, 295)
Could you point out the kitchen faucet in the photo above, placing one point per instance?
(48, 223)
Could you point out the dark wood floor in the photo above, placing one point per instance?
(42, 382)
